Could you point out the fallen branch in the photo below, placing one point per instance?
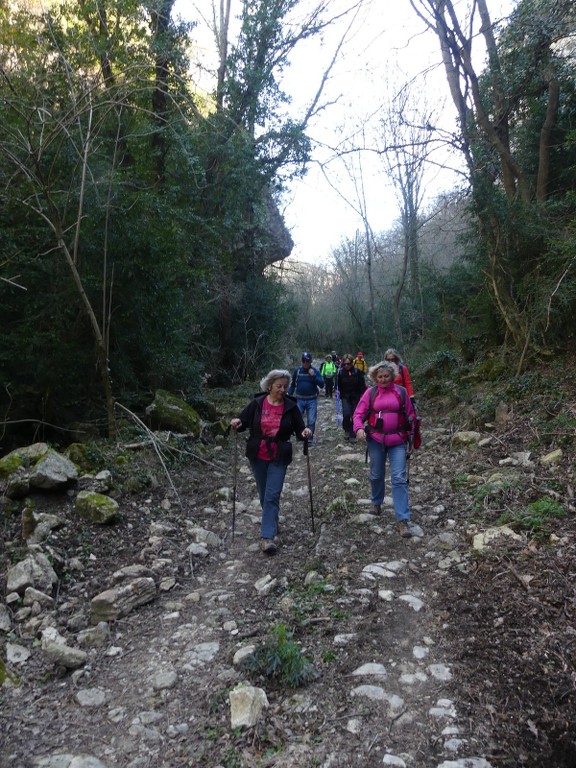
(154, 442)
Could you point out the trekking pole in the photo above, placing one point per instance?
(235, 482)
(307, 454)
(408, 457)
(338, 408)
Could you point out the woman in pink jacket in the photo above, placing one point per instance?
(384, 418)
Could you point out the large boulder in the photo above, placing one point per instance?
(21, 457)
(52, 471)
(169, 411)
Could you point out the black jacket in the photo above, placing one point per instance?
(351, 383)
(291, 423)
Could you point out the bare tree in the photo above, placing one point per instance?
(406, 143)
(487, 117)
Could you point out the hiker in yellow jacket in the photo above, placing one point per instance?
(360, 363)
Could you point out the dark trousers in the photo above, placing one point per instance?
(328, 385)
(349, 403)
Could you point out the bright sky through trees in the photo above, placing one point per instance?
(386, 47)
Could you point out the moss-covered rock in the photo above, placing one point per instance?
(81, 455)
(169, 411)
(7, 675)
(97, 508)
(10, 464)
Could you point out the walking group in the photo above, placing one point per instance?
(382, 415)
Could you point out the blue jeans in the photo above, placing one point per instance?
(269, 481)
(397, 457)
(308, 408)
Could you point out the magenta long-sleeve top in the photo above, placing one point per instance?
(387, 407)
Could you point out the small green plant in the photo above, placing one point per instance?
(280, 658)
(535, 517)
(460, 482)
(339, 504)
(231, 758)
(485, 494)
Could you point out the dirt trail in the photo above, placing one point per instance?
(360, 601)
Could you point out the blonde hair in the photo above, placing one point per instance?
(270, 378)
(395, 354)
(387, 365)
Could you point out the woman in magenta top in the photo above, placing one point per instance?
(272, 418)
(384, 418)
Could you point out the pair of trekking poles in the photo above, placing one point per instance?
(306, 453)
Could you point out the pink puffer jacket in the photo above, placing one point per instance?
(387, 420)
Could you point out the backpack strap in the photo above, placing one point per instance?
(402, 400)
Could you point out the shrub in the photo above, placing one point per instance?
(535, 517)
(280, 658)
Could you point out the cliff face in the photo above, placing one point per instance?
(276, 238)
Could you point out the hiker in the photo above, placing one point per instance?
(328, 372)
(336, 359)
(271, 418)
(403, 377)
(304, 386)
(351, 385)
(384, 418)
(360, 363)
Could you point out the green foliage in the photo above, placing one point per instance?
(231, 759)
(281, 659)
(536, 517)
(460, 482)
(168, 213)
(489, 493)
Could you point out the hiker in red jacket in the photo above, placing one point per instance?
(403, 377)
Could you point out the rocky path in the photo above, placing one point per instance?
(364, 605)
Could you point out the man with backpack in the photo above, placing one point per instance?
(304, 386)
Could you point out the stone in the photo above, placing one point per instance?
(466, 438)
(52, 471)
(553, 458)
(371, 669)
(119, 601)
(97, 508)
(91, 697)
(168, 411)
(64, 655)
(246, 706)
(202, 536)
(32, 596)
(16, 654)
(482, 540)
(34, 571)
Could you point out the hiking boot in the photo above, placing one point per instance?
(403, 529)
(268, 546)
(376, 509)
